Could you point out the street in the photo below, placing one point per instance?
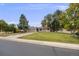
(12, 48)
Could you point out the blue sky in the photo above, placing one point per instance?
(33, 12)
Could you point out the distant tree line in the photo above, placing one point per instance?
(23, 25)
(68, 19)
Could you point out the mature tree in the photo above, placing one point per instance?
(55, 22)
(73, 15)
(68, 19)
(11, 28)
(43, 23)
(46, 22)
(3, 25)
(49, 20)
(55, 25)
(58, 13)
(23, 23)
(57, 19)
(52, 21)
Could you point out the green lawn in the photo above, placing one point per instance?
(52, 36)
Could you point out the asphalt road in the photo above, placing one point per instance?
(11, 48)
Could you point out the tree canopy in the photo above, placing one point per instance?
(68, 19)
(23, 23)
(51, 21)
(3, 25)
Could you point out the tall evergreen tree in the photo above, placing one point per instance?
(23, 23)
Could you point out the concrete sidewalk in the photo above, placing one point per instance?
(19, 35)
(55, 44)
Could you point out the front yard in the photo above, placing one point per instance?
(52, 36)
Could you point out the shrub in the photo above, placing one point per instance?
(77, 34)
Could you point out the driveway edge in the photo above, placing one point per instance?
(53, 44)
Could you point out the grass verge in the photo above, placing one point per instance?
(52, 36)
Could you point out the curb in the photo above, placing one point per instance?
(46, 43)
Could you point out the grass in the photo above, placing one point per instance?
(52, 36)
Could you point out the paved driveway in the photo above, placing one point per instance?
(11, 48)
